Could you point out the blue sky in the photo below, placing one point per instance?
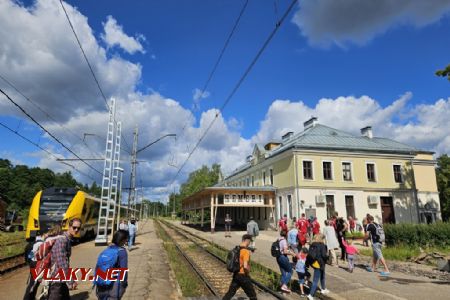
(387, 56)
(186, 37)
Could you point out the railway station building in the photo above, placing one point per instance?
(322, 170)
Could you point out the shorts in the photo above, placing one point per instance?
(302, 277)
(377, 254)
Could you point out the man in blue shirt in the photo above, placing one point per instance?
(292, 240)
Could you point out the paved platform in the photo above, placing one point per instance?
(344, 285)
(148, 278)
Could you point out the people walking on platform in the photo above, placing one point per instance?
(282, 224)
(32, 285)
(376, 234)
(283, 262)
(301, 269)
(317, 257)
(341, 229)
(253, 230)
(302, 225)
(227, 225)
(364, 224)
(351, 254)
(331, 242)
(315, 226)
(242, 279)
(123, 225)
(60, 255)
(115, 256)
(132, 233)
(292, 238)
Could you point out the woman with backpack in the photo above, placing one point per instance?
(115, 256)
(317, 258)
(283, 262)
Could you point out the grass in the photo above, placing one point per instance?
(404, 253)
(190, 284)
(12, 243)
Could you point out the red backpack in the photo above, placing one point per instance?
(44, 256)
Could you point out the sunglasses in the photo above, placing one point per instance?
(76, 228)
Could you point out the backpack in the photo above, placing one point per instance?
(233, 260)
(275, 250)
(107, 259)
(43, 256)
(380, 232)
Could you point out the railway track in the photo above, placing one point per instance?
(11, 263)
(210, 267)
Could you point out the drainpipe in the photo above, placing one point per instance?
(415, 189)
(297, 195)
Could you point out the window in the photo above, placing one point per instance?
(347, 171)
(350, 206)
(371, 172)
(264, 177)
(307, 169)
(271, 176)
(398, 174)
(253, 180)
(327, 171)
(248, 181)
(330, 206)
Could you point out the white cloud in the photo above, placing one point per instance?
(42, 58)
(114, 36)
(425, 126)
(326, 22)
(198, 96)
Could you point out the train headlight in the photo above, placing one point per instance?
(36, 223)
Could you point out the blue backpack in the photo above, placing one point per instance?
(107, 259)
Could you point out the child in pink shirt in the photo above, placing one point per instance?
(351, 252)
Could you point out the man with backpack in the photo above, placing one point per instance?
(241, 271)
(30, 250)
(115, 256)
(253, 230)
(376, 234)
(60, 256)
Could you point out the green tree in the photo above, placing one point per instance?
(197, 181)
(443, 181)
(444, 73)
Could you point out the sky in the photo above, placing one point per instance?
(350, 63)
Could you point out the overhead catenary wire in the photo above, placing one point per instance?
(215, 66)
(91, 69)
(48, 132)
(47, 114)
(84, 55)
(238, 84)
(43, 149)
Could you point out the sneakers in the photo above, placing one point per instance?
(310, 297)
(325, 291)
(369, 269)
(385, 273)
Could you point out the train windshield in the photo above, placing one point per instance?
(55, 202)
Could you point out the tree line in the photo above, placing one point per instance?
(19, 183)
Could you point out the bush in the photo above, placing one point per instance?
(423, 235)
(354, 235)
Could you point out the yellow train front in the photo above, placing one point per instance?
(57, 206)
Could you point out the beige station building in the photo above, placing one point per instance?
(322, 170)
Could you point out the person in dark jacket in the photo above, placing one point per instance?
(317, 258)
(117, 289)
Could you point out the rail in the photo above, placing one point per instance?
(194, 239)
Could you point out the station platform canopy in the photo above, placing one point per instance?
(258, 200)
